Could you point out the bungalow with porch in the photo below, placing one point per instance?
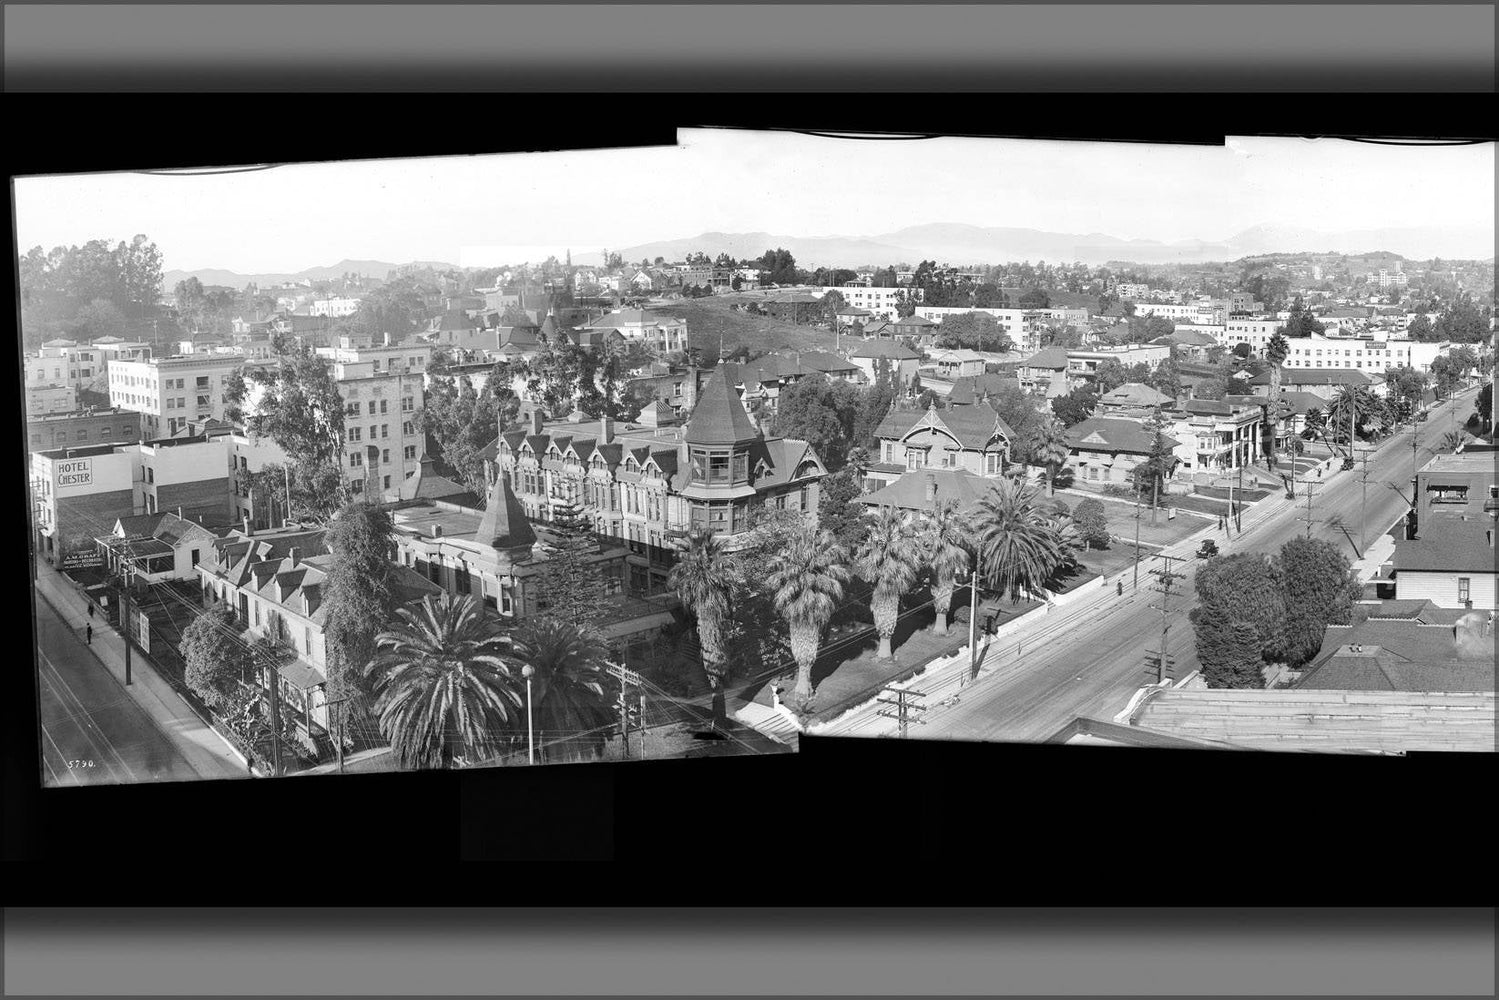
(1109, 449)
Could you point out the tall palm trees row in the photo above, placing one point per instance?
(449, 683)
(1019, 538)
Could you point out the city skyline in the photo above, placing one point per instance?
(528, 205)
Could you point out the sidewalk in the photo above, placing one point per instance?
(205, 751)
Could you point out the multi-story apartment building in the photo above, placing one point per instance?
(335, 307)
(46, 399)
(649, 485)
(81, 429)
(382, 389)
(1192, 312)
(171, 392)
(881, 302)
(1215, 435)
(1363, 353)
(1082, 365)
(1254, 332)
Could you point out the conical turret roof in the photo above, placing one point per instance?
(719, 418)
(504, 524)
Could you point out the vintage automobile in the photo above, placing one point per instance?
(1347, 464)
(1207, 549)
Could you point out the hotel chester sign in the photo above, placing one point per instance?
(75, 472)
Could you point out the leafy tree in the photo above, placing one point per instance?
(100, 318)
(819, 411)
(1230, 657)
(1446, 374)
(1242, 350)
(1355, 406)
(1076, 406)
(1301, 322)
(1483, 406)
(1110, 375)
(1034, 298)
(443, 689)
(1160, 464)
(358, 601)
(1092, 524)
(570, 586)
(569, 706)
(806, 578)
(905, 305)
(397, 307)
(704, 577)
(300, 408)
(1320, 590)
(1212, 388)
(838, 508)
(1020, 548)
(890, 560)
(217, 659)
(1420, 328)
(945, 537)
(1462, 322)
(1241, 587)
(463, 422)
(975, 331)
(1406, 386)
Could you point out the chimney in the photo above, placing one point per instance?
(245, 522)
(535, 420)
(931, 487)
(606, 430)
(386, 341)
(295, 555)
(436, 531)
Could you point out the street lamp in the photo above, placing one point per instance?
(527, 672)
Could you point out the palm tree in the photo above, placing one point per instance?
(945, 536)
(567, 683)
(1353, 404)
(890, 559)
(1020, 547)
(1048, 448)
(443, 688)
(1275, 353)
(805, 579)
(703, 578)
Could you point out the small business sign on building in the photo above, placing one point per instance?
(83, 559)
(75, 472)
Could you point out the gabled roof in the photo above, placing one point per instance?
(822, 361)
(909, 492)
(890, 349)
(1394, 655)
(914, 320)
(1050, 357)
(719, 418)
(1112, 434)
(1315, 376)
(1448, 545)
(1135, 394)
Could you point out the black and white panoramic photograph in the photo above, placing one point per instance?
(685, 451)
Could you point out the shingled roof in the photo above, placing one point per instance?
(504, 524)
(1113, 434)
(719, 418)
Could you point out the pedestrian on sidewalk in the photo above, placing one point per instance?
(89, 635)
(1119, 585)
(91, 609)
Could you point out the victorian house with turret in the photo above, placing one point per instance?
(648, 484)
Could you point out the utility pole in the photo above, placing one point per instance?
(1137, 533)
(274, 681)
(626, 676)
(1311, 492)
(1363, 504)
(973, 617)
(904, 706)
(1166, 578)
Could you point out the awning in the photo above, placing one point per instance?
(1448, 482)
(301, 675)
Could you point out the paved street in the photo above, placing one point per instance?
(93, 732)
(1089, 662)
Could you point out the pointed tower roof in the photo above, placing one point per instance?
(504, 524)
(719, 418)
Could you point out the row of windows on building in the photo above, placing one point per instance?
(106, 433)
(378, 431)
(356, 458)
(408, 405)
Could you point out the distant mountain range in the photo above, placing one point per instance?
(958, 243)
(377, 269)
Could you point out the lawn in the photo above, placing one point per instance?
(847, 672)
(708, 319)
(1121, 518)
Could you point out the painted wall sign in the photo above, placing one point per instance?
(75, 472)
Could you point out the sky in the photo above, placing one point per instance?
(489, 209)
